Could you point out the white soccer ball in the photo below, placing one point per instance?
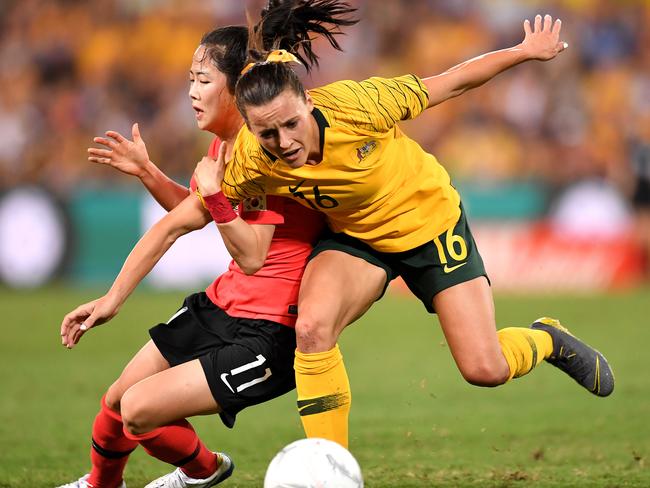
(313, 463)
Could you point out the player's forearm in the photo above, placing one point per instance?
(166, 191)
(144, 256)
(472, 73)
(244, 245)
(185, 218)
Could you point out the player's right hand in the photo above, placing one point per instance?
(209, 172)
(84, 317)
(129, 157)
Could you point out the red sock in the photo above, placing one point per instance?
(110, 449)
(178, 444)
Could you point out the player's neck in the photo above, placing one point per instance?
(229, 131)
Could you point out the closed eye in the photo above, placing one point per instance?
(203, 82)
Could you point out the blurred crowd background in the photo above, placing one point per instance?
(72, 69)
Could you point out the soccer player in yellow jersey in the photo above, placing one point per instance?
(392, 211)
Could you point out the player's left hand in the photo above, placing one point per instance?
(84, 317)
(542, 39)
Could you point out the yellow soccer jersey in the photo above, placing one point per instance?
(373, 183)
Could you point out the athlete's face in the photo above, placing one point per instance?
(286, 128)
(213, 104)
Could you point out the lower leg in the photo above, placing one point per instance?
(352, 285)
(489, 358)
(466, 313)
(154, 412)
(110, 447)
(324, 397)
(524, 348)
(179, 445)
(484, 356)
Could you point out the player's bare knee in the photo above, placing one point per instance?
(314, 335)
(113, 397)
(135, 415)
(485, 374)
(136, 424)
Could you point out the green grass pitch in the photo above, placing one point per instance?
(414, 421)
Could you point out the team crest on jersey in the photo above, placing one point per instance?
(255, 204)
(364, 151)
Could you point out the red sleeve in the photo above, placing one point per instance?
(213, 152)
(265, 209)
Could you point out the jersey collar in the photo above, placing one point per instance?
(322, 125)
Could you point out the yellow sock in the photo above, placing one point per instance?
(524, 348)
(323, 394)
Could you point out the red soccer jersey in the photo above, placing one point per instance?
(272, 292)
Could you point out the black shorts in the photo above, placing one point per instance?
(447, 260)
(246, 361)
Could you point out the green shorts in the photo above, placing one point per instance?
(447, 260)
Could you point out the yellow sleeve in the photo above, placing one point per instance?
(244, 177)
(375, 104)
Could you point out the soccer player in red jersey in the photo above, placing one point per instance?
(229, 347)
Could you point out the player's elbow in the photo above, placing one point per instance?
(250, 265)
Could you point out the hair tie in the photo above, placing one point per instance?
(277, 56)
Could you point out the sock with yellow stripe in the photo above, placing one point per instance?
(524, 348)
(323, 394)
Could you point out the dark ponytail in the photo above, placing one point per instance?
(288, 25)
(291, 24)
(285, 24)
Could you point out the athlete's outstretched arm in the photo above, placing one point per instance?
(541, 42)
(132, 158)
(247, 244)
(186, 217)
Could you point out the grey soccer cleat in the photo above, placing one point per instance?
(83, 483)
(178, 479)
(580, 361)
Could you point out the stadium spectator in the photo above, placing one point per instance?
(39, 52)
(641, 195)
